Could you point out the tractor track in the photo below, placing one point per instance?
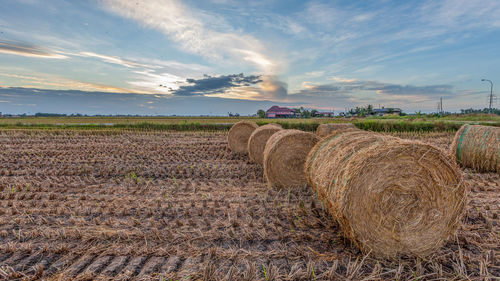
(111, 266)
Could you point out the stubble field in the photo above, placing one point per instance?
(118, 204)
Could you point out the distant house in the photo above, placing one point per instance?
(386, 111)
(324, 114)
(280, 112)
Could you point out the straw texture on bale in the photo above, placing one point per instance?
(284, 158)
(324, 130)
(391, 197)
(258, 139)
(237, 139)
(477, 147)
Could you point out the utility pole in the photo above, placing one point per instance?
(491, 94)
(440, 106)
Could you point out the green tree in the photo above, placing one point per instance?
(369, 109)
(305, 113)
(261, 113)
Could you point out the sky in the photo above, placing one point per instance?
(211, 57)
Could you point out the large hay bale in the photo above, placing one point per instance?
(324, 130)
(237, 139)
(284, 158)
(477, 147)
(391, 197)
(258, 139)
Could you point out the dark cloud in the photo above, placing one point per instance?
(29, 100)
(212, 85)
(271, 88)
(431, 90)
(321, 90)
(353, 87)
(22, 49)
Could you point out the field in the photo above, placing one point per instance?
(374, 123)
(213, 119)
(169, 205)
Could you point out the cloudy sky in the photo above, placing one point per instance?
(213, 57)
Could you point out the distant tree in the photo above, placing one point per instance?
(314, 113)
(362, 112)
(480, 111)
(261, 113)
(305, 113)
(369, 109)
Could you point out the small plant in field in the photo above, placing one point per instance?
(12, 189)
(175, 181)
(27, 187)
(134, 177)
(265, 272)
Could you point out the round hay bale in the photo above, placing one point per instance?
(391, 197)
(324, 130)
(237, 139)
(284, 158)
(258, 139)
(477, 147)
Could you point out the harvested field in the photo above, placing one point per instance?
(161, 205)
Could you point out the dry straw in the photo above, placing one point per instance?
(284, 158)
(391, 197)
(237, 139)
(258, 139)
(324, 130)
(477, 147)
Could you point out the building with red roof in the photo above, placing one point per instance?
(280, 112)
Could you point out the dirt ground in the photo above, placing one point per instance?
(180, 206)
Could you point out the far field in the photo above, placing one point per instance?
(181, 119)
(165, 205)
(384, 123)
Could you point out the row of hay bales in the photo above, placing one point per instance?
(391, 197)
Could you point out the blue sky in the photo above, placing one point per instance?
(212, 57)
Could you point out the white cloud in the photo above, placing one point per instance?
(114, 60)
(322, 14)
(184, 26)
(56, 82)
(463, 14)
(20, 49)
(315, 74)
(160, 83)
(343, 80)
